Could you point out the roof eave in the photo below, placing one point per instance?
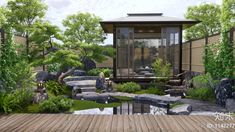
(103, 23)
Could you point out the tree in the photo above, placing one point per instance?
(65, 58)
(7, 60)
(209, 15)
(22, 14)
(83, 27)
(84, 34)
(42, 37)
(225, 57)
(2, 16)
(219, 60)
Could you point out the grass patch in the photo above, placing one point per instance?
(77, 105)
(34, 108)
(205, 94)
(84, 104)
(176, 104)
(151, 90)
(98, 90)
(123, 98)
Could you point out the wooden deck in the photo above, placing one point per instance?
(112, 123)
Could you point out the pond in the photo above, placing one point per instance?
(128, 108)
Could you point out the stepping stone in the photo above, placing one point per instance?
(184, 109)
(175, 87)
(157, 98)
(176, 92)
(82, 83)
(175, 82)
(84, 89)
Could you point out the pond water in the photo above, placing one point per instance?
(127, 108)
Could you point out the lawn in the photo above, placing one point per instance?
(77, 105)
(150, 91)
(84, 104)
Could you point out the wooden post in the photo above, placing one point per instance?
(180, 53)
(231, 34)
(2, 36)
(43, 54)
(115, 47)
(206, 44)
(190, 55)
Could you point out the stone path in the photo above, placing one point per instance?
(143, 97)
(203, 106)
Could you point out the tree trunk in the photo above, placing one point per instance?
(63, 75)
(27, 46)
(43, 54)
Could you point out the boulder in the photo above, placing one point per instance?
(223, 91)
(184, 109)
(233, 94)
(42, 76)
(88, 64)
(230, 105)
(79, 78)
(79, 73)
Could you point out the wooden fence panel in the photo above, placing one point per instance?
(213, 39)
(197, 51)
(20, 40)
(186, 56)
(197, 55)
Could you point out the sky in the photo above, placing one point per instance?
(111, 9)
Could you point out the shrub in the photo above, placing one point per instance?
(204, 80)
(16, 100)
(55, 105)
(55, 88)
(1, 102)
(128, 87)
(97, 71)
(53, 67)
(161, 68)
(201, 93)
(154, 90)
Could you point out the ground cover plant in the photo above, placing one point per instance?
(129, 87)
(151, 90)
(97, 71)
(205, 94)
(55, 104)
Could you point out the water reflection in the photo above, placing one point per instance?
(127, 108)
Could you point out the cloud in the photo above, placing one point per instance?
(110, 9)
(58, 4)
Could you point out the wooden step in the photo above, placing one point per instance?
(174, 82)
(176, 92)
(175, 87)
(88, 89)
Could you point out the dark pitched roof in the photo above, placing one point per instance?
(146, 18)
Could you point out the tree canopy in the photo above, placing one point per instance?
(83, 33)
(83, 27)
(219, 60)
(22, 14)
(2, 16)
(43, 36)
(209, 15)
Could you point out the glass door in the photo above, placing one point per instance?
(125, 52)
(170, 42)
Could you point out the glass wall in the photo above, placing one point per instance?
(125, 39)
(138, 47)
